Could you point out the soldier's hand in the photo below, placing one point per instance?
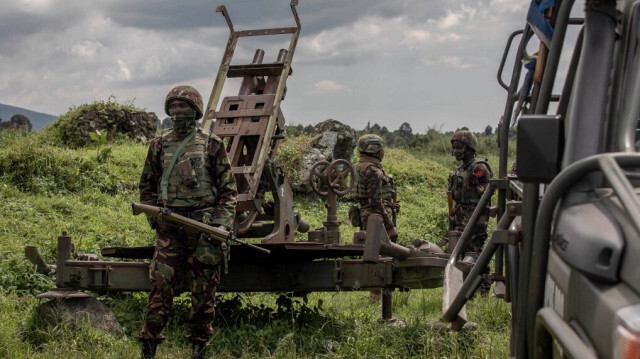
(393, 234)
(153, 223)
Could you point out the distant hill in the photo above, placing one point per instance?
(38, 119)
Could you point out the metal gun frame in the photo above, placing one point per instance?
(252, 126)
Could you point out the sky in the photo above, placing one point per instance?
(430, 63)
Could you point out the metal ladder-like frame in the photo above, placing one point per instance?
(251, 123)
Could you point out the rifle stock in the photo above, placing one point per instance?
(165, 214)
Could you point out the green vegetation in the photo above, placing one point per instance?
(46, 189)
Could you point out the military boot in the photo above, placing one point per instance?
(149, 347)
(198, 349)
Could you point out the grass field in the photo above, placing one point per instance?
(46, 190)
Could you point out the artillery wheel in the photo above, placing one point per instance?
(341, 177)
(316, 177)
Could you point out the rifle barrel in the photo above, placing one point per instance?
(217, 234)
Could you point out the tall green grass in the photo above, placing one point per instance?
(47, 190)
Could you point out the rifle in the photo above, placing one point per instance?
(396, 203)
(446, 241)
(219, 235)
(450, 203)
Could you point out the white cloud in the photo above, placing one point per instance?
(367, 27)
(509, 6)
(125, 73)
(87, 48)
(449, 36)
(346, 45)
(461, 16)
(328, 85)
(455, 62)
(413, 37)
(36, 5)
(450, 20)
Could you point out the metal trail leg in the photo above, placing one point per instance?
(387, 305)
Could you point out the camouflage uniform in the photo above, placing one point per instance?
(200, 186)
(467, 184)
(373, 190)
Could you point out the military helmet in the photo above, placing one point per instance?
(187, 94)
(370, 144)
(467, 138)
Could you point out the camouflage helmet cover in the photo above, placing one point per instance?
(187, 94)
(370, 144)
(465, 137)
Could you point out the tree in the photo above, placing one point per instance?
(166, 123)
(403, 136)
(488, 131)
(21, 122)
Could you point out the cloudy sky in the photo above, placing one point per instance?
(431, 63)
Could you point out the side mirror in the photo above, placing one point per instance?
(539, 148)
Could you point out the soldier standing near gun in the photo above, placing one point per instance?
(373, 188)
(374, 191)
(188, 172)
(466, 185)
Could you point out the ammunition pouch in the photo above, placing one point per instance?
(354, 216)
(187, 172)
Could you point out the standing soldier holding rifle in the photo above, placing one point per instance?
(466, 186)
(187, 172)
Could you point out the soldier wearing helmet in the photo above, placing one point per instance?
(466, 185)
(187, 171)
(184, 105)
(374, 190)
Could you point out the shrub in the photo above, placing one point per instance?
(290, 155)
(73, 129)
(33, 165)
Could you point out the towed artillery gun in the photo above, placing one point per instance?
(569, 228)
(252, 126)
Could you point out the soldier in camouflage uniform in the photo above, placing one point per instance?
(467, 184)
(374, 190)
(187, 171)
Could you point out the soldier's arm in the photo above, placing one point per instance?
(151, 173)
(225, 183)
(374, 193)
(480, 177)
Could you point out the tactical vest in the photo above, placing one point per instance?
(360, 194)
(190, 180)
(460, 181)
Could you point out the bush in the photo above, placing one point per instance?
(290, 155)
(33, 165)
(114, 120)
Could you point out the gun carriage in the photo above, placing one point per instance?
(252, 127)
